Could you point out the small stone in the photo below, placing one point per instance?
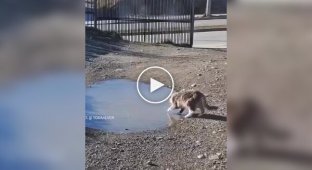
(201, 156)
(149, 162)
(197, 143)
(119, 69)
(214, 132)
(199, 74)
(219, 154)
(126, 129)
(213, 157)
(159, 138)
(194, 85)
(114, 148)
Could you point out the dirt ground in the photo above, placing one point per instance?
(193, 143)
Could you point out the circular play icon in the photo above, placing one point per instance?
(159, 80)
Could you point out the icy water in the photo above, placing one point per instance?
(115, 106)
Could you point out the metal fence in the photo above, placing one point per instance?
(150, 21)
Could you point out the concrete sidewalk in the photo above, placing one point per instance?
(213, 39)
(210, 23)
(206, 37)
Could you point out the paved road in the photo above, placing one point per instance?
(213, 39)
(213, 22)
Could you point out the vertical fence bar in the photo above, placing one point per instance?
(135, 18)
(175, 21)
(130, 19)
(95, 14)
(144, 20)
(127, 18)
(160, 16)
(150, 14)
(178, 31)
(166, 25)
(109, 15)
(138, 19)
(117, 16)
(100, 9)
(183, 23)
(171, 15)
(149, 20)
(157, 24)
(192, 23)
(186, 21)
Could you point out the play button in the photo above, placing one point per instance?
(160, 85)
(154, 85)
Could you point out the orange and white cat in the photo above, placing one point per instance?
(190, 100)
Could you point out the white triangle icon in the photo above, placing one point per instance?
(154, 85)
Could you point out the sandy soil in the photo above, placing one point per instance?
(194, 143)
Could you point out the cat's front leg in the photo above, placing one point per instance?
(190, 114)
(170, 108)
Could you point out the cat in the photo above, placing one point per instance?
(190, 100)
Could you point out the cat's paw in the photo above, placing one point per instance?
(188, 116)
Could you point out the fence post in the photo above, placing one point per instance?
(95, 14)
(208, 8)
(192, 23)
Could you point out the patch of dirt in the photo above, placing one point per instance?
(193, 143)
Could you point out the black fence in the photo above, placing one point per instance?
(150, 21)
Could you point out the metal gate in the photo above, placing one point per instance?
(150, 21)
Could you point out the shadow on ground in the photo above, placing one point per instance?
(212, 117)
(102, 43)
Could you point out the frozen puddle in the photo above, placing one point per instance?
(115, 106)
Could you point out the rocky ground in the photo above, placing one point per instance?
(193, 143)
